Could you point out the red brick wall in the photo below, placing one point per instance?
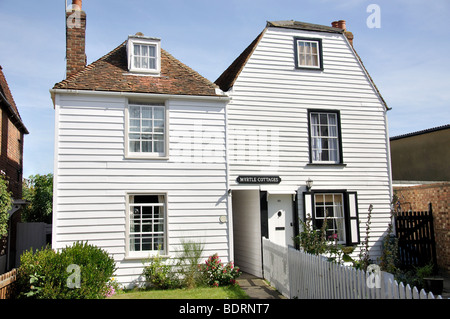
(11, 154)
(417, 198)
(75, 42)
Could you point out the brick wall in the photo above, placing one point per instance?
(75, 41)
(11, 154)
(417, 198)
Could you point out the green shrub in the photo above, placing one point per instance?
(158, 274)
(81, 271)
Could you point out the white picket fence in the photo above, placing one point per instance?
(304, 276)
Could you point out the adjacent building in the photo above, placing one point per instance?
(12, 135)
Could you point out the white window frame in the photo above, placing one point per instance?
(134, 254)
(128, 131)
(336, 209)
(318, 58)
(317, 139)
(144, 41)
(350, 213)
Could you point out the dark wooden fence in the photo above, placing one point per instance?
(7, 284)
(415, 233)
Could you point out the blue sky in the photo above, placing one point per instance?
(407, 56)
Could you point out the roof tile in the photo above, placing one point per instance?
(110, 73)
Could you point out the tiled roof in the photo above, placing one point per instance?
(229, 76)
(7, 98)
(110, 73)
(227, 79)
(291, 24)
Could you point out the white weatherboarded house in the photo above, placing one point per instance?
(140, 161)
(303, 107)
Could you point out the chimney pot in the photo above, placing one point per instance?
(335, 24)
(77, 4)
(341, 24)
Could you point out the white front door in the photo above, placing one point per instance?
(281, 229)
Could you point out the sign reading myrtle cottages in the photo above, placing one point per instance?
(244, 179)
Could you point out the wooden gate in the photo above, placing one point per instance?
(415, 234)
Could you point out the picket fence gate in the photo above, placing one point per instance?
(297, 274)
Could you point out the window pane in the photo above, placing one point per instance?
(146, 242)
(324, 143)
(146, 146)
(135, 146)
(325, 156)
(332, 119)
(145, 51)
(158, 243)
(159, 126)
(135, 112)
(159, 147)
(152, 51)
(145, 63)
(159, 113)
(314, 118)
(137, 50)
(152, 63)
(315, 60)
(333, 131)
(137, 62)
(146, 126)
(135, 243)
(146, 112)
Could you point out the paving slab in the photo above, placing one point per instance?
(258, 288)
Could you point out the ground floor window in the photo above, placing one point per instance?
(147, 223)
(340, 211)
(330, 207)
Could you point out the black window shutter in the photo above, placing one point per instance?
(352, 219)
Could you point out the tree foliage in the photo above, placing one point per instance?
(5, 205)
(38, 190)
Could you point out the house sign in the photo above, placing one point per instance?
(246, 179)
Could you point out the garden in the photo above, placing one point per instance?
(84, 271)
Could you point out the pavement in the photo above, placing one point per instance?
(258, 288)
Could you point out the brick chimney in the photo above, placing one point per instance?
(341, 25)
(75, 38)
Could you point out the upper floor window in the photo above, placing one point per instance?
(325, 140)
(146, 130)
(308, 53)
(144, 55)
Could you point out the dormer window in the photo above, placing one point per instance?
(144, 55)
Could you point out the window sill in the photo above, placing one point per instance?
(327, 164)
(146, 157)
(146, 255)
(308, 68)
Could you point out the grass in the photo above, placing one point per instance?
(227, 292)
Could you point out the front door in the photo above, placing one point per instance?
(280, 219)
